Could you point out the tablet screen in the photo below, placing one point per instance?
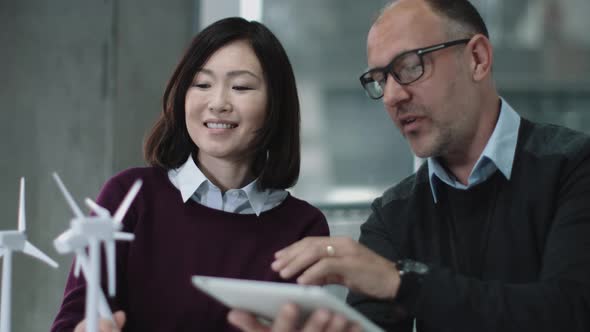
(264, 298)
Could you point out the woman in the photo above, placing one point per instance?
(213, 201)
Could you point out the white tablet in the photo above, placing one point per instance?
(264, 298)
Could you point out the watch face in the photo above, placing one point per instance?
(413, 266)
(418, 267)
(411, 274)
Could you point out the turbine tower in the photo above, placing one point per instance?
(11, 241)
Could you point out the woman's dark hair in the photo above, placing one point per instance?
(276, 147)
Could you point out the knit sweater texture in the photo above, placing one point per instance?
(533, 271)
(176, 240)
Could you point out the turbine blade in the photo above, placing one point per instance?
(120, 213)
(124, 236)
(77, 266)
(69, 241)
(22, 223)
(103, 307)
(111, 267)
(75, 208)
(81, 262)
(99, 210)
(31, 250)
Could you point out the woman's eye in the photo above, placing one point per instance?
(242, 88)
(201, 85)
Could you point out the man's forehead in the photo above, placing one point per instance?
(407, 15)
(403, 26)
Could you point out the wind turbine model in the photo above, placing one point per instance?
(11, 241)
(89, 232)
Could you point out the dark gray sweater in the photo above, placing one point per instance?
(533, 271)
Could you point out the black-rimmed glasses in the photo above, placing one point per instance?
(405, 68)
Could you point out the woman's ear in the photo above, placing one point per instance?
(481, 55)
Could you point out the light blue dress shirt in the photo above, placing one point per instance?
(192, 183)
(498, 154)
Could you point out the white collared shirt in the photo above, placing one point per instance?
(498, 154)
(192, 183)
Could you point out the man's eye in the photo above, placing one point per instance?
(378, 77)
(415, 68)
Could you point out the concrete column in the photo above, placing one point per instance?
(81, 83)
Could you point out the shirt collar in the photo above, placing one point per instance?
(497, 154)
(188, 178)
(256, 197)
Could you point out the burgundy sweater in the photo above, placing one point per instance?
(176, 240)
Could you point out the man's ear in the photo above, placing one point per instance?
(481, 57)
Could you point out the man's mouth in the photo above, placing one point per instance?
(408, 121)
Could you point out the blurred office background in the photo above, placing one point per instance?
(81, 83)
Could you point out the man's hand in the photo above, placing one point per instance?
(338, 260)
(286, 320)
(105, 325)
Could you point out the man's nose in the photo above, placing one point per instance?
(393, 92)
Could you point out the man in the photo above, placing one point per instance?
(492, 233)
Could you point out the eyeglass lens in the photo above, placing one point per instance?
(405, 69)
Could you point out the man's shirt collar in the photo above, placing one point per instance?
(498, 154)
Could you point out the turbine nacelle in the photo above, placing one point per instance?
(98, 227)
(69, 241)
(13, 240)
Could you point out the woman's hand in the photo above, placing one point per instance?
(105, 325)
(321, 320)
